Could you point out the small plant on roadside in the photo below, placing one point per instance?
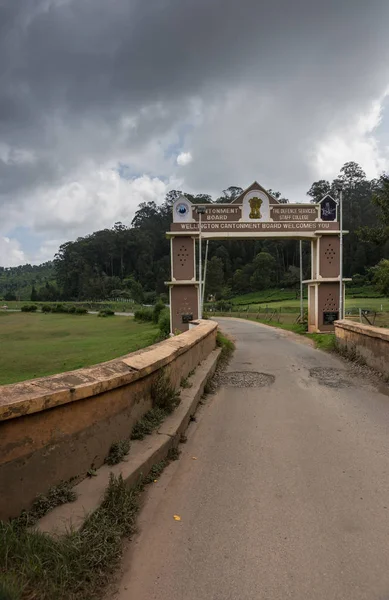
(165, 399)
(164, 395)
(173, 454)
(185, 383)
(75, 565)
(148, 423)
(117, 452)
(44, 503)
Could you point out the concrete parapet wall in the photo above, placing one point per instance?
(55, 428)
(366, 342)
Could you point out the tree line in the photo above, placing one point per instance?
(133, 261)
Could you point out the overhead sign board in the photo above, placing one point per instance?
(255, 211)
(242, 226)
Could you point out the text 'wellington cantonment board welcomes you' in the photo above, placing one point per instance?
(256, 214)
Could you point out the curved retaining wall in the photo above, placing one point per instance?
(55, 428)
(366, 342)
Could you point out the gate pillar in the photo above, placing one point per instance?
(183, 287)
(323, 287)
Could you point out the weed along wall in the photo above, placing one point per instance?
(371, 344)
(56, 428)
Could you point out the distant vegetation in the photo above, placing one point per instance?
(132, 263)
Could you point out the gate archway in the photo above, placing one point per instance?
(256, 214)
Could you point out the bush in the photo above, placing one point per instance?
(149, 297)
(158, 308)
(29, 308)
(59, 308)
(164, 322)
(46, 308)
(106, 312)
(71, 309)
(164, 395)
(117, 452)
(144, 314)
(80, 310)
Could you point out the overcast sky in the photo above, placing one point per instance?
(108, 103)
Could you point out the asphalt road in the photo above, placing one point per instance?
(289, 494)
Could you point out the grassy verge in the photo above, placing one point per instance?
(227, 346)
(78, 565)
(165, 399)
(74, 566)
(36, 345)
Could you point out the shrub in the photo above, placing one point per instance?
(59, 308)
(148, 423)
(164, 395)
(149, 297)
(71, 309)
(143, 314)
(106, 312)
(29, 308)
(46, 308)
(158, 308)
(80, 310)
(164, 322)
(117, 452)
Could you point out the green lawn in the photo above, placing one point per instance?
(364, 297)
(293, 305)
(34, 345)
(116, 306)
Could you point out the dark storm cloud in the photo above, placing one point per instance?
(72, 70)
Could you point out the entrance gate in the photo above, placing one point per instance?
(256, 214)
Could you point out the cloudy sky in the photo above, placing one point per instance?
(108, 103)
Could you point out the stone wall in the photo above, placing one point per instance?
(55, 428)
(366, 342)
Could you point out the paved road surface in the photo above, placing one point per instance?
(289, 495)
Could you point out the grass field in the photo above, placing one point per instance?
(273, 297)
(116, 306)
(374, 304)
(35, 345)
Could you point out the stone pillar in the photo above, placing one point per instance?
(323, 287)
(183, 285)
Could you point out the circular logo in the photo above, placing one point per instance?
(182, 209)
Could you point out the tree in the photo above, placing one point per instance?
(263, 276)
(230, 194)
(351, 174)
(34, 295)
(292, 276)
(241, 282)
(381, 277)
(215, 276)
(318, 190)
(135, 290)
(9, 296)
(379, 234)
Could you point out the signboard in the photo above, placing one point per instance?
(330, 317)
(328, 209)
(218, 212)
(187, 318)
(287, 212)
(241, 227)
(255, 211)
